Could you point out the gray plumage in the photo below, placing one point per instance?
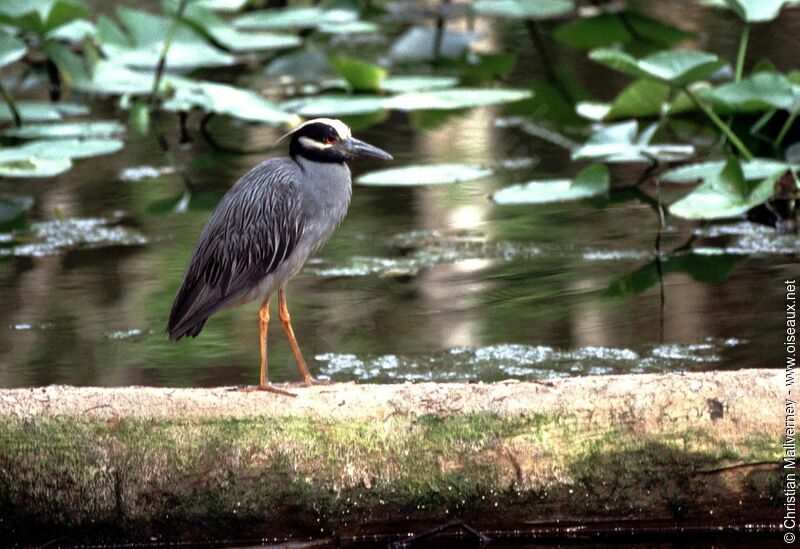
(266, 226)
(264, 229)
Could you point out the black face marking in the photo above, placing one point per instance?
(321, 133)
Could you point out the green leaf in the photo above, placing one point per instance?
(758, 168)
(731, 179)
(479, 69)
(362, 76)
(758, 92)
(334, 105)
(621, 142)
(447, 99)
(642, 98)
(435, 174)
(98, 129)
(33, 166)
(228, 36)
(548, 103)
(607, 29)
(591, 181)
(756, 11)
(62, 148)
(51, 157)
(227, 100)
(221, 5)
(43, 111)
(295, 18)
(524, 9)
(74, 31)
(63, 12)
(455, 98)
(675, 67)
(11, 49)
(407, 83)
(351, 27)
(41, 16)
(725, 195)
(148, 32)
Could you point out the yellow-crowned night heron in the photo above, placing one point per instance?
(264, 229)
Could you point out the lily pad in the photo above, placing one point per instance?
(221, 5)
(359, 74)
(32, 166)
(756, 11)
(43, 111)
(352, 27)
(61, 148)
(294, 18)
(432, 174)
(147, 31)
(591, 181)
(621, 142)
(229, 36)
(404, 84)
(758, 168)
(49, 157)
(455, 98)
(227, 100)
(727, 194)
(98, 129)
(759, 92)
(675, 67)
(524, 9)
(334, 105)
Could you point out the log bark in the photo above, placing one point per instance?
(339, 462)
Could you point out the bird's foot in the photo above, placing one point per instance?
(310, 381)
(268, 388)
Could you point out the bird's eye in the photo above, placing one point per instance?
(329, 140)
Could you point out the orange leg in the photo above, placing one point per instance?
(263, 323)
(286, 321)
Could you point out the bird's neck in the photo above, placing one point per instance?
(325, 173)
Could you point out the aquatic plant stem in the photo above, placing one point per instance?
(786, 126)
(158, 130)
(12, 106)
(722, 126)
(162, 60)
(743, 40)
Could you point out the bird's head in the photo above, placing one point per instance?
(329, 140)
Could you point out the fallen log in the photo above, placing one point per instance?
(134, 464)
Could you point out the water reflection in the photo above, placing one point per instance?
(419, 283)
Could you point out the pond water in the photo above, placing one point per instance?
(420, 283)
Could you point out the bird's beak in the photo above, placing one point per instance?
(355, 148)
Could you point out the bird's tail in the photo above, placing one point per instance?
(177, 331)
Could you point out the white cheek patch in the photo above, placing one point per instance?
(309, 143)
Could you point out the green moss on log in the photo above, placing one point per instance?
(74, 471)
